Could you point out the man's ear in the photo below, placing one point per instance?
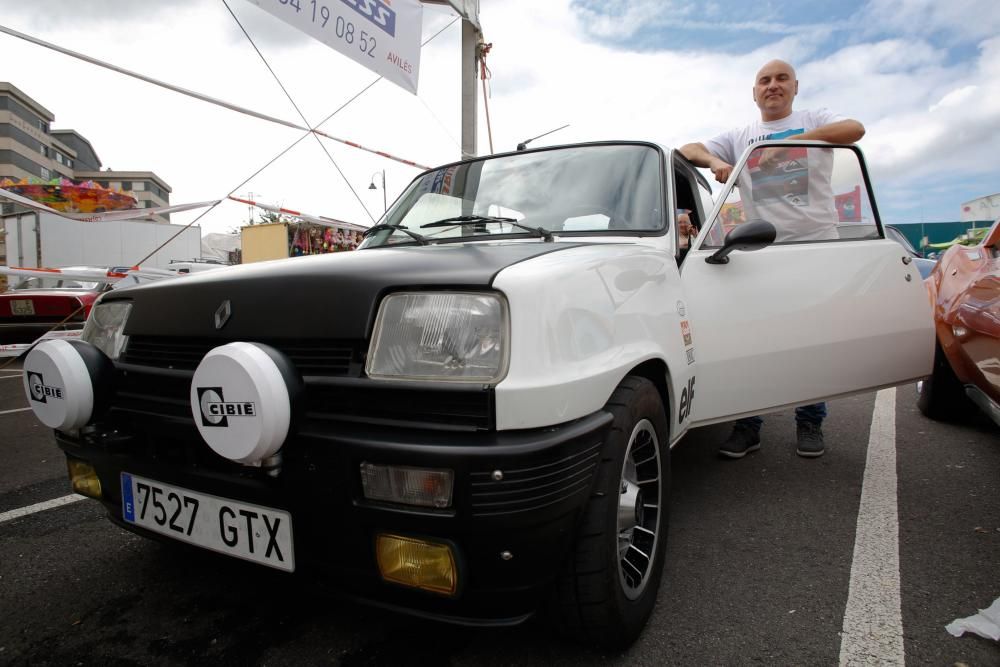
(796, 86)
(753, 92)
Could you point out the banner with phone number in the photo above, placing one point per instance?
(382, 35)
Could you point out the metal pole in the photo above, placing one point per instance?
(470, 44)
(38, 240)
(385, 204)
(20, 241)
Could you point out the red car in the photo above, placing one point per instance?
(36, 305)
(965, 294)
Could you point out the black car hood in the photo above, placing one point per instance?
(323, 296)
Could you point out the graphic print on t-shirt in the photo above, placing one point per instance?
(786, 179)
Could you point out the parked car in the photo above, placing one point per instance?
(924, 265)
(470, 418)
(195, 265)
(965, 293)
(35, 305)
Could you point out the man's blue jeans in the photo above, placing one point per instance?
(814, 413)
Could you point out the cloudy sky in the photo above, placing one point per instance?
(922, 75)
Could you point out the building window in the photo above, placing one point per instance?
(138, 186)
(44, 150)
(44, 172)
(126, 185)
(69, 163)
(43, 126)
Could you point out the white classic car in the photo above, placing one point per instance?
(471, 417)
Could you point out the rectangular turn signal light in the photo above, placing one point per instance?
(423, 487)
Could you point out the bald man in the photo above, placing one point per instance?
(774, 91)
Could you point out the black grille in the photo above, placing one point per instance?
(468, 410)
(167, 395)
(531, 488)
(310, 356)
(154, 395)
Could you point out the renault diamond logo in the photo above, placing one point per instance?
(222, 314)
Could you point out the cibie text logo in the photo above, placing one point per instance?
(215, 411)
(376, 11)
(40, 391)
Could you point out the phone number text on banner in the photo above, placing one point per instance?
(383, 36)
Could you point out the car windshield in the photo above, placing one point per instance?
(55, 283)
(601, 188)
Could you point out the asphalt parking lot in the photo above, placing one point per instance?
(770, 560)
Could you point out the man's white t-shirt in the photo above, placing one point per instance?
(795, 194)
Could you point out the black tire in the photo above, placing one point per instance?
(942, 396)
(603, 597)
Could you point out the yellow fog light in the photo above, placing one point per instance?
(84, 479)
(426, 565)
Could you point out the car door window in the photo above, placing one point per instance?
(809, 194)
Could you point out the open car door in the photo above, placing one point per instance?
(829, 307)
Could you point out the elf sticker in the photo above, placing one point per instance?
(687, 398)
(686, 332)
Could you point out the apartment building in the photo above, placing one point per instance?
(29, 147)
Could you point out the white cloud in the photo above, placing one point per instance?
(961, 20)
(954, 98)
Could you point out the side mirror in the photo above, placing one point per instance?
(748, 236)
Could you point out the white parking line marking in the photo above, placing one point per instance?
(39, 507)
(873, 621)
(7, 412)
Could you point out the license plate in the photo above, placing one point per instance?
(22, 307)
(243, 530)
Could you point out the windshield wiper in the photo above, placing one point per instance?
(451, 222)
(419, 238)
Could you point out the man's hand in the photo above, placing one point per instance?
(771, 157)
(700, 156)
(720, 169)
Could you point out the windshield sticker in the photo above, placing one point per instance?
(443, 181)
(681, 310)
(690, 354)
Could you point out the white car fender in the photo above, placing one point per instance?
(581, 319)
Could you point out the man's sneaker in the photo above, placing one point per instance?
(810, 437)
(743, 440)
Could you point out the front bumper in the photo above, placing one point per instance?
(17, 332)
(530, 513)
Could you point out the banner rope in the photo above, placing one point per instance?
(485, 73)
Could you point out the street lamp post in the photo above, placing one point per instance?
(372, 186)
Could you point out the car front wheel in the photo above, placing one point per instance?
(608, 588)
(941, 396)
